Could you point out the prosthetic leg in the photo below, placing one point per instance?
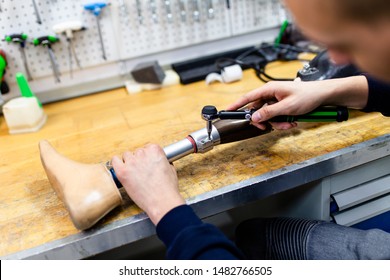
(89, 192)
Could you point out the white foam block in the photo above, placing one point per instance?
(23, 114)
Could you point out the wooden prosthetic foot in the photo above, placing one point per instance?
(87, 190)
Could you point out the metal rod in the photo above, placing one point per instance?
(124, 12)
(183, 13)
(179, 149)
(101, 37)
(195, 10)
(169, 11)
(24, 58)
(37, 12)
(139, 12)
(210, 9)
(70, 58)
(153, 10)
(54, 64)
(74, 54)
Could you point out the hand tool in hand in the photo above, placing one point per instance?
(20, 39)
(68, 28)
(37, 12)
(100, 181)
(321, 114)
(47, 41)
(96, 9)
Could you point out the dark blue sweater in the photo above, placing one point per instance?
(187, 237)
(378, 97)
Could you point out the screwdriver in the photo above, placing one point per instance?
(96, 9)
(20, 39)
(47, 41)
(68, 28)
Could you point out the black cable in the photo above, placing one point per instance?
(279, 53)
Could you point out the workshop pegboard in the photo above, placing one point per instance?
(169, 26)
(130, 29)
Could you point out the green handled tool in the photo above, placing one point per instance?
(20, 39)
(47, 41)
(321, 114)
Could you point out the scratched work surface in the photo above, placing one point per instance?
(93, 128)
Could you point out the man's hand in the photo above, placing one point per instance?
(150, 180)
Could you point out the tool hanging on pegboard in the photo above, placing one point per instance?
(139, 12)
(195, 11)
(153, 10)
(129, 33)
(96, 9)
(47, 41)
(20, 39)
(3, 64)
(37, 12)
(68, 28)
(124, 11)
(183, 12)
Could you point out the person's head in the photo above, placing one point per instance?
(356, 31)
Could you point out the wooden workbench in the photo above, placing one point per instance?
(93, 128)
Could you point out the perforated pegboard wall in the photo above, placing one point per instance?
(130, 29)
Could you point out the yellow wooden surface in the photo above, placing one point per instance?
(93, 128)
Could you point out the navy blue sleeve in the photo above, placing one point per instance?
(188, 238)
(378, 97)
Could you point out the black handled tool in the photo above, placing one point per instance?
(20, 39)
(47, 41)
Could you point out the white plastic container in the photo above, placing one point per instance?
(23, 114)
